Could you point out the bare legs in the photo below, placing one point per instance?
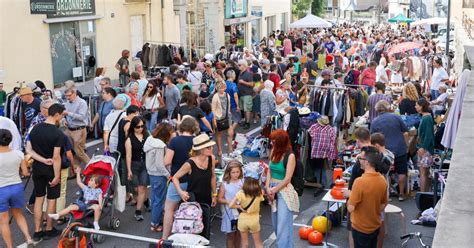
(425, 181)
(233, 240)
(230, 139)
(219, 142)
(170, 208)
(39, 213)
(402, 181)
(5, 226)
(256, 239)
(141, 195)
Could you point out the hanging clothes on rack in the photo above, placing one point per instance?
(160, 54)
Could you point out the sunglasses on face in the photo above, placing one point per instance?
(139, 126)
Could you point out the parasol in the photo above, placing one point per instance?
(403, 47)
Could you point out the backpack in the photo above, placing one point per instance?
(188, 219)
(297, 179)
(349, 78)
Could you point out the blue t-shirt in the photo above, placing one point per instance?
(181, 145)
(392, 127)
(209, 118)
(231, 90)
(105, 109)
(293, 99)
(329, 46)
(91, 194)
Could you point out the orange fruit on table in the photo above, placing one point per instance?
(304, 232)
(315, 238)
(320, 224)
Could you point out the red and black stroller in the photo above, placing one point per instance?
(103, 166)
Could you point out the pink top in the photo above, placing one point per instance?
(287, 46)
(368, 77)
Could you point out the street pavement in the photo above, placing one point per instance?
(310, 206)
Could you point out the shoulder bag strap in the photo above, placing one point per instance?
(113, 126)
(194, 76)
(153, 103)
(250, 204)
(227, 105)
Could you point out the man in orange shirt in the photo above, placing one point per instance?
(368, 199)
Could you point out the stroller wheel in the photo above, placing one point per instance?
(114, 223)
(98, 238)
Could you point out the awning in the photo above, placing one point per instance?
(429, 21)
(72, 19)
(311, 21)
(233, 21)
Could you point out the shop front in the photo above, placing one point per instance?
(72, 36)
(236, 23)
(73, 50)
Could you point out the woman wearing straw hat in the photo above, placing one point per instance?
(177, 153)
(200, 171)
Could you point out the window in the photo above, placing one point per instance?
(468, 3)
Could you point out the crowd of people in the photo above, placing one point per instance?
(165, 128)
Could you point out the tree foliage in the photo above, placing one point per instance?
(317, 7)
(300, 8)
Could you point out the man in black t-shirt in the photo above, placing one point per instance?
(44, 146)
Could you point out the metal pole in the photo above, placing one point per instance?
(448, 31)
(189, 37)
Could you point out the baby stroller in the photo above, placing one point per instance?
(103, 166)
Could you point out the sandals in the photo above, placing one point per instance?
(158, 228)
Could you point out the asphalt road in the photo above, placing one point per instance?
(310, 206)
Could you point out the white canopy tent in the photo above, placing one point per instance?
(429, 21)
(311, 21)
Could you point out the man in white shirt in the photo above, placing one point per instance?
(438, 104)
(195, 78)
(439, 77)
(111, 124)
(381, 74)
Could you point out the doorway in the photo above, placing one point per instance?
(136, 34)
(73, 51)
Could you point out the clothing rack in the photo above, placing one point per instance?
(164, 43)
(327, 87)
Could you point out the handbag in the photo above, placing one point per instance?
(233, 222)
(224, 123)
(146, 114)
